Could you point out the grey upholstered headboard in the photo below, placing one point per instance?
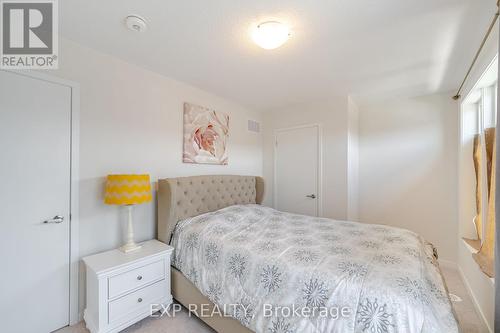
(181, 198)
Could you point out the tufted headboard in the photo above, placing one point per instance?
(181, 198)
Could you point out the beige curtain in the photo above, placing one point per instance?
(485, 256)
(476, 155)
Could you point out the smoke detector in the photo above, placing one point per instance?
(136, 23)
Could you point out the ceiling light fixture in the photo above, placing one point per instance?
(270, 35)
(136, 23)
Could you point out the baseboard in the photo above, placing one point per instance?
(77, 319)
(473, 298)
(89, 323)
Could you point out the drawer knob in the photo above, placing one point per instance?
(139, 278)
(139, 300)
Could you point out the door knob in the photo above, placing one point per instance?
(312, 196)
(55, 219)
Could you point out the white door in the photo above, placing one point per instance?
(35, 133)
(297, 170)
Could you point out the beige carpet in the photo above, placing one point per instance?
(182, 323)
(468, 317)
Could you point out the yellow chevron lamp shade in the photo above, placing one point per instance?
(127, 189)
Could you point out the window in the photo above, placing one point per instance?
(477, 168)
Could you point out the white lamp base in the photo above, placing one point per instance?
(130, 245)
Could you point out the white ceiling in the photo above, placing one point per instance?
(368, 48)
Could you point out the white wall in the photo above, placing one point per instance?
(131, 122)
(408, 167)
(332, 116)
(353, 161)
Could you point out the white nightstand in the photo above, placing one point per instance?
(122, 286)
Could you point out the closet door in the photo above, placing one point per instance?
(297, 170)
(35, 141)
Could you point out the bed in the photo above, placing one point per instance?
(242, 267)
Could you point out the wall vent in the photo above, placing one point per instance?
(253, 126)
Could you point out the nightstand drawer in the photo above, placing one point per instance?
(135, 301)
(136, 278)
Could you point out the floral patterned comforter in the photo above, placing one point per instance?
(248, 259)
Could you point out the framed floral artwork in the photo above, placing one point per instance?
(205, 135)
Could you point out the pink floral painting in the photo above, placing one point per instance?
(205, 135)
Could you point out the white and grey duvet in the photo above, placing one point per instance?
(386, 278)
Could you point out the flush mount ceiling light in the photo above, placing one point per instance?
(270, 35)
(136, 23)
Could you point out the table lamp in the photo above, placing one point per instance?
(128, 190)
